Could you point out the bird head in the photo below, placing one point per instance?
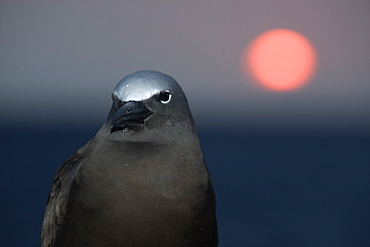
(148, 100)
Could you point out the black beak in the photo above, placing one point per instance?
(131, 112)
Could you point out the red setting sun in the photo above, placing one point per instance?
(280, 60)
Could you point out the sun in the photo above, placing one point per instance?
(280, 60)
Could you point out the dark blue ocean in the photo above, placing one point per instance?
(273, 188)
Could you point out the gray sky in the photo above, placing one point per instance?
(60, 60)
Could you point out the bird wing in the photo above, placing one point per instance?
(58, 198)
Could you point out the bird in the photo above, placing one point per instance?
(141, 180)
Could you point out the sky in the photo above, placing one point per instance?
(60, 60)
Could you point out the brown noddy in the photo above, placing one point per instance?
(141, 181)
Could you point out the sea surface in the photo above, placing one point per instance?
(273, 188)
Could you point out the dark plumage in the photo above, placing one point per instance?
(141, 181)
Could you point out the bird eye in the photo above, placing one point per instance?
(165, 97)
